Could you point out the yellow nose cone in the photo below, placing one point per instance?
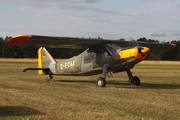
(140, 54)
(144, 50)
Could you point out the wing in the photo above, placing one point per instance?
(77, 43)
(60, 42)
(157, 46)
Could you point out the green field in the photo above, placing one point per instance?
(27, 96)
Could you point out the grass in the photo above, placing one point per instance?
(28, 96)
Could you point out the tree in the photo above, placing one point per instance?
(142, 39)
(151, 55)
(173, 54)
(152, 40)
(1, 47)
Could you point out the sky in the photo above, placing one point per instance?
(109, 19)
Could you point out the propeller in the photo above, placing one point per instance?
(143, 50)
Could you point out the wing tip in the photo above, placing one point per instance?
(171, 46)
(17, 40)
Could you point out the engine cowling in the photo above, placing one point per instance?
(139, 53)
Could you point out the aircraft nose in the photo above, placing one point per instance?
(141, 53)
(144, 50)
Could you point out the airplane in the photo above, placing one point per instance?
(100, 56)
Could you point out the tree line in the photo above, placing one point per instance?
(31, 52)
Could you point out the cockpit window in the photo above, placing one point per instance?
(112, 47)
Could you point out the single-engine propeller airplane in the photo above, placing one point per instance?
(101, 56)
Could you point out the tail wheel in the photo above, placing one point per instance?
(136, 81)
(100, 82)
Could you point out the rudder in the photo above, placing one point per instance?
(44, 59)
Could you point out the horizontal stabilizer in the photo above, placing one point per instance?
(24, 69)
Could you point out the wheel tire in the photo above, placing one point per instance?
(136, 81)
(100, 82)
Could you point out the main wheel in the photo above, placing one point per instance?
(136, 81)
(100, 82)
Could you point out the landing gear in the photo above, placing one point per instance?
(50, 77)
(101, 81)
(134, 80)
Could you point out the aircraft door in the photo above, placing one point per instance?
(107, 55)
(89, 61)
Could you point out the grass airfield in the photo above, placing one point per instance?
(27, 96)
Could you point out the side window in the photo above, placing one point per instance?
(89, 57)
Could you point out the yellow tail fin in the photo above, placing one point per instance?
(44, 60)
(40, 72)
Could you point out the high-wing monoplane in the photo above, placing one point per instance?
(100, 56)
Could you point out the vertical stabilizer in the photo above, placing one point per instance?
(44, 59)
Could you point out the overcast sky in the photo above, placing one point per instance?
(110, 19)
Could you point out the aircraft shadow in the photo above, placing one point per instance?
(144, 85)
(159, 86)
(18, 111)
(77, 81)
(128, 85)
